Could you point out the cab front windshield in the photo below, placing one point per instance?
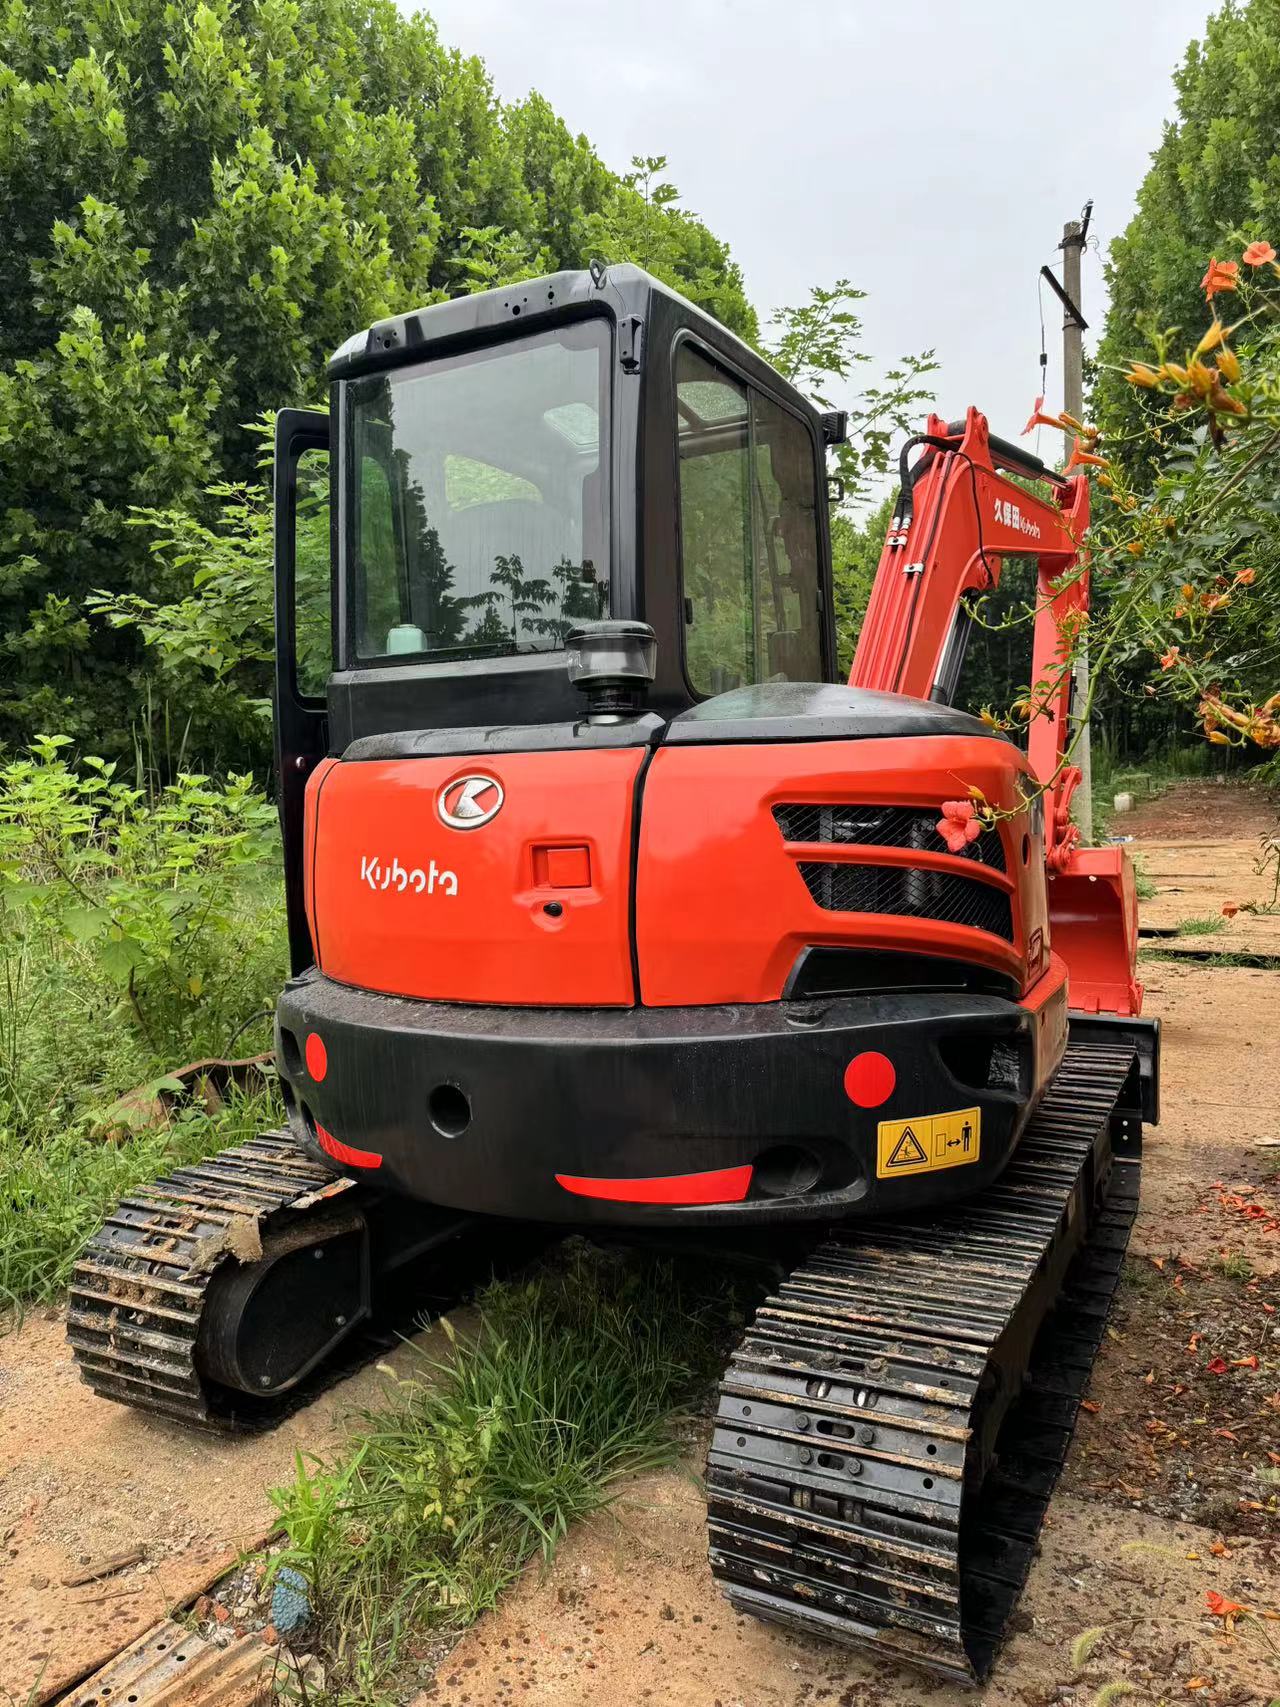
(478, 521)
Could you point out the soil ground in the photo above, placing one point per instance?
(1171, 1489)
(82, 1480)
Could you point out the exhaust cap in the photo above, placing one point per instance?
(612, 662)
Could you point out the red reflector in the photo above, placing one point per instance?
(317, 1056)
(721, 1185)
(869, 1079)
(344, 1153)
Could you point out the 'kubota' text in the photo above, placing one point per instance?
(394, 876)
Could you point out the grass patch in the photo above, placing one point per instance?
(1209, 925)
(1140, 1274)
(482, 1460)
(1235, 1265)
(60, 1182)
(1144, 883)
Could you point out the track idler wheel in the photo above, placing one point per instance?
(267, 1324)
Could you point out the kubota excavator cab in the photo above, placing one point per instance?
(606, 901)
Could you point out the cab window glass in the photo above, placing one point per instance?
(749, 533)
(480, 520)
(312, 624)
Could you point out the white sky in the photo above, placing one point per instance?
(929, 150)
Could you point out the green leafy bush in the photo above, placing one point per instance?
(58, 1180)
(151, 907)
(138, 930)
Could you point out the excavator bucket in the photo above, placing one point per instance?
(1093, 919)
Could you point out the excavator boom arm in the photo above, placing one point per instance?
(959, 514)
(958, 517)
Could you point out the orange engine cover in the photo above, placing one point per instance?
(529, 905)
(723, 908)
(508, 879)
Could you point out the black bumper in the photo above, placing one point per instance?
(486, 1109)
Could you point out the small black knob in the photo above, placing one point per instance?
(553, 909)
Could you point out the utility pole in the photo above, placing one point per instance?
(1073, 329)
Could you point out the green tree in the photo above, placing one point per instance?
(855, 553)
(201, 199)
(1214, 180)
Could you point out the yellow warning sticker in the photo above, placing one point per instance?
(932, 1141)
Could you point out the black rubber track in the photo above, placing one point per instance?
(140, 1290)
(892, 1425)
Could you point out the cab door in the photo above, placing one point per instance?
(304, 638)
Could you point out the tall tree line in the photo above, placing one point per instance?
(199, 202)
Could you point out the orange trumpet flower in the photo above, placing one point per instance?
(1140, 374)
(1219, 275)
(1082, 458)
(1258, 254)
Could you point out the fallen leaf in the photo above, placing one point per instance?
(1225, 1434)
(1230, 909)
(1157, 1262)
(1194, 1556)
(1194, 1341)
(1220, 1550)
(1270, 1309)
(1199, 1682)
(1250, 1362)
(1274, 1457)
(1088, 1405)
(1218, 1366)
(1149, 1377)
(1220, 1606)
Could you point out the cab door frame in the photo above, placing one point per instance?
(301, 719)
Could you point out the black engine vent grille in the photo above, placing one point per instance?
(910, 894)
(882, 827)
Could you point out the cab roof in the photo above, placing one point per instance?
(620, 291)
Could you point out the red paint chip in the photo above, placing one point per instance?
(869, 1079)
(317, 1056)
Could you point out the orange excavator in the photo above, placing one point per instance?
(612, 909)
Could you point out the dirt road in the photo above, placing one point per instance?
(82, 1480)
(1166, 1493)
(1170, 1466)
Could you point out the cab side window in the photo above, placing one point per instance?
(749, 532)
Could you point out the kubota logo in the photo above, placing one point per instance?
(395, 876)
(470, 802)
